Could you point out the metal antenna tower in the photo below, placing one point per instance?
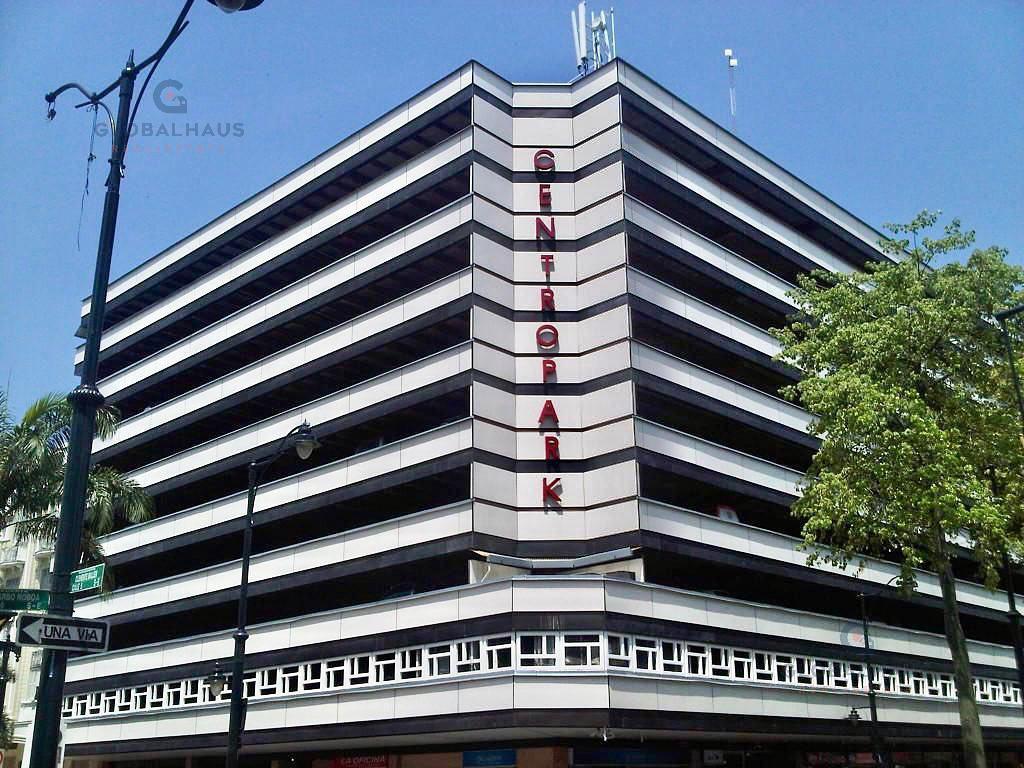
(594, 41)
(733, 63)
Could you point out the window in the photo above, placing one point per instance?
(763, 671)
(248, 684)
(741, 664)
(840, 674)
(949, 691)
(671, 656)
(467, 656)
(140, 697)
(266, 682)
(191, 692)
(439, 660)
(582, 650)
(888, 679)
(784, 669)
(619, 651)
(290, 679)
(312, 676)
(720, 663)
(917, 683)
(903, 681)
(410, 664)
(358, 670)
(804, 675)
(499, 652)
(172, 695)
(697, 659)
(646, 653)
(43, 575)
(550, 650)
(335, 673)
(822, 672)
(156, 696)
(384, 667)
(537, 651)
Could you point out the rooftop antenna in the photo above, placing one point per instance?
(593, 40)
(733, 63)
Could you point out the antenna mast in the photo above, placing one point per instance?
(733, 63)
(594, 41)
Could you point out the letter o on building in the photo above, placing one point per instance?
(547, 336)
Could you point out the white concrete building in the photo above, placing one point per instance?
(24, 564)
(530, 325)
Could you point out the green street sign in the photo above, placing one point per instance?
(85, 579)
(24, 600)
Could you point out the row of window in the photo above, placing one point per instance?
(535, 652)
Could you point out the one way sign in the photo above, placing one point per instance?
(63, 632)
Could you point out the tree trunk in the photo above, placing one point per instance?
(970, 725)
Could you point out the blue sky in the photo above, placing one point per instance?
(885, 106)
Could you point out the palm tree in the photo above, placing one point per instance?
(33, 454)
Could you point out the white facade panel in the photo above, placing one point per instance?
(433, 159)
(364, 138)
(715, 134)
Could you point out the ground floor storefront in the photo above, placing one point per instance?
(600, 754)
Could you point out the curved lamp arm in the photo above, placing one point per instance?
(259, 467)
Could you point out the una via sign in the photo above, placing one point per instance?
(63, 632)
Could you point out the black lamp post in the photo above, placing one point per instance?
(854, 716)
(86, 399)
(301, 438)
(1011, 613)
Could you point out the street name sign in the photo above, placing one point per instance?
(85, 579)
(24, 600)
(64, 633)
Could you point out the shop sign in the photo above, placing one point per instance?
(360, 761)
(627, 756)
(489, 758)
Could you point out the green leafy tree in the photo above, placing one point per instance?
(33, 454)
(903, 367)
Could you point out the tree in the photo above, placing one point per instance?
(903, 367)
(33, 454)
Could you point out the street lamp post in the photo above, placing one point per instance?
(876, 737)
(1011, 613)
(86, 399)
(304, 442)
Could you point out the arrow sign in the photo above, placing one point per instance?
(64, 633)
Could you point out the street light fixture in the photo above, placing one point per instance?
(305, 441)
(216, 682)
(85, 399)
(230, 6)
(302, 439)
